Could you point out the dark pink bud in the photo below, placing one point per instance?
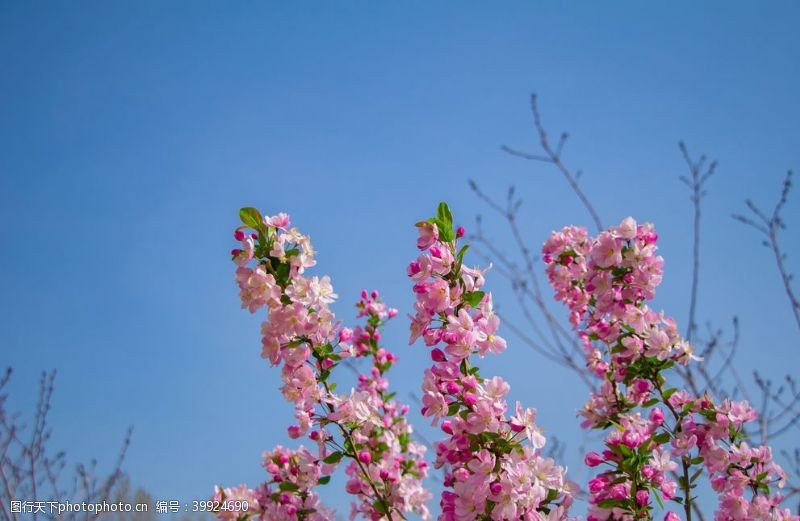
(374, 293)
(596, 485)
(460, 232)
(496, 488)
(453, 388)
(593, 459)
(470, 399)
(238, 235)
(345, 334)
(438, 355)
(364, 456)
(447, 427)
(657, 416)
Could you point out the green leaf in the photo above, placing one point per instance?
(658, 499)
(444, 214)
(288, 486)
(324, 480)
(446, 234)
(669, 392)
(333, 458)
(460, 254)
(251, 217)
(453, 409)
(380, 506)
(473, 298)
(661, 438)
(610, 503)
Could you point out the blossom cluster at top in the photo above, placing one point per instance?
(367, 427)
(660, 438)
(495, 469)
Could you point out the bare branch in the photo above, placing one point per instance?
(770, 226)
(553, 156)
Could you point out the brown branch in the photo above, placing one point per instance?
(553, 156)
(770, 226)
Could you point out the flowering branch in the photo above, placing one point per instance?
(301, 335)
(606, 282)
(492, 472)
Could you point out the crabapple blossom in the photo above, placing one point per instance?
(494, 466)
(657, 433)
(659, 440)
(301, 335)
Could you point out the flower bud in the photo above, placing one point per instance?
(364, 456)
(593, 459)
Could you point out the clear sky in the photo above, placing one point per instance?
(131, 132)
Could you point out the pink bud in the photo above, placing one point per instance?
(470, 399)
(364, 293)
(374, 293)
(364, 456)
(453, 388)
(496, 488)
(642, 497)
(345, 334)
(238, 235)
(631, 439)
(438, 355)
(593, 459)
(657, 416)
(460, 232)
(447, 426)
(461, 474)
(353, 486)
(618, 491)
(596, 485)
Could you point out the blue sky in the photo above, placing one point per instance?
(132, 132)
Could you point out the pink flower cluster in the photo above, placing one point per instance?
(368, 427)
(491, 472)
(658, 434)
(288, 495)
